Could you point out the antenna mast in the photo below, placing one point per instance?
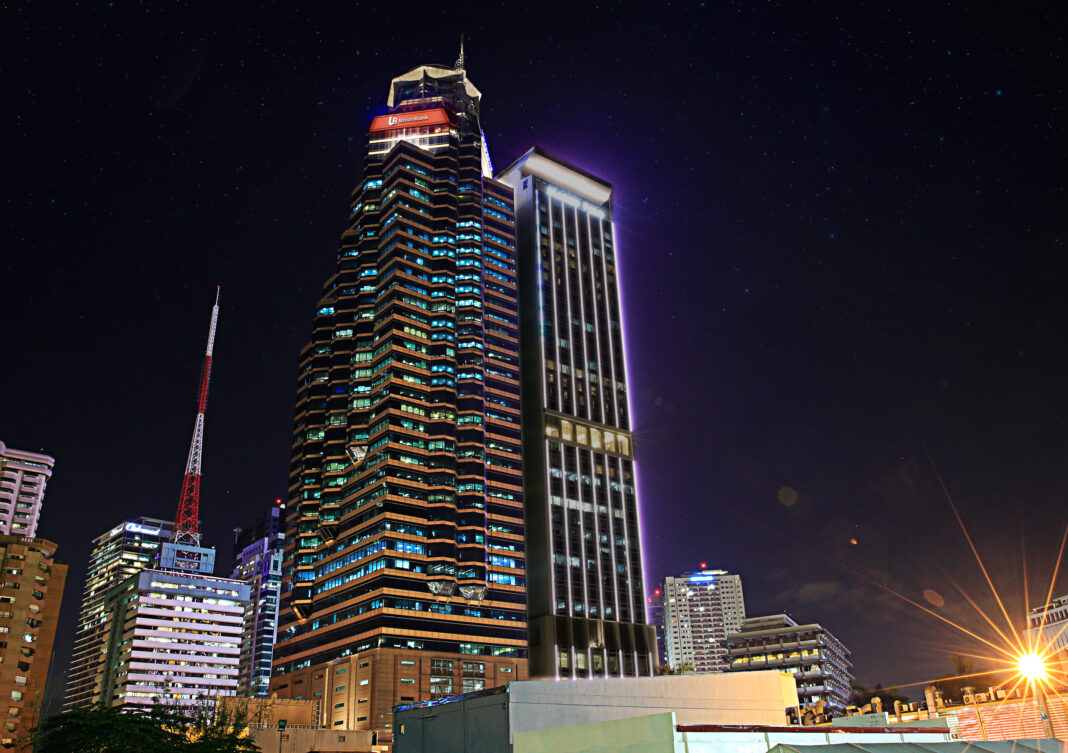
(187, 522)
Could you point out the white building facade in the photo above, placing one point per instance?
(174, 636)
(23, 477)
(700, 610)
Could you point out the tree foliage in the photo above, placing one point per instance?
(164, 728)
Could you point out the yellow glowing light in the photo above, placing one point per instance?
(1032, 666)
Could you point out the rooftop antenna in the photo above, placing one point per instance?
(187, 523)
(460, 60)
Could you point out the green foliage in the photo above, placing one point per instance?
(952, 686)
(204, 728)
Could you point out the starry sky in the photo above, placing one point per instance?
(841, 228)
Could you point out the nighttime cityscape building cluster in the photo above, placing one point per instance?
(462, 510)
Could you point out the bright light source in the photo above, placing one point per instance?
(1032, 666)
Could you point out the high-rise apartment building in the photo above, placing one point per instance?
(118, 554)
(31, 590)
(258, 563)
(700, 610)
(404, 528)
(586, 599)
(23, 477)
(818, 661)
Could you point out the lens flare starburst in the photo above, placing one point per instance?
(1023, 659)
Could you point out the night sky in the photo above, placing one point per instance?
(842, 238)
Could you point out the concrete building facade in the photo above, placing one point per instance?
(23, 478)
(700, 609)
(174, 636)
(585, 584)
(117, 554)
(258, 562)
(818, 661)
(31, 590)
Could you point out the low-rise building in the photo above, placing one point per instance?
(817, 660)
(31, 590)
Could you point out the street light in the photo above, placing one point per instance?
(1032, 667)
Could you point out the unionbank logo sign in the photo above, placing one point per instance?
(422, 117)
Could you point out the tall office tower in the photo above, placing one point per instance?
(700, 610)
(818, 661)
(117, 554)
(584, 589)
(258, 562)
(1047, 631)
(404, 528)
(30, 595)
(23, 477)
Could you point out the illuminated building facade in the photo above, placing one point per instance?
(30, 594)
(23, 477)
(584, 566)
(700, 610)
(117, 554)
(404, 529)
(258, 563)
(818, 661)
(173, 635)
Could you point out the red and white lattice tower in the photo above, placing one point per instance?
(187, 523)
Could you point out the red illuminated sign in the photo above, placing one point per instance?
(409, 119)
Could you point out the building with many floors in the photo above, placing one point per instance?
(585, 589)
(404, 521)
(23, 477)
(31, 590)
(117, 554)
(173, 634)
(818, 661)
(700, 609)
(257, 562)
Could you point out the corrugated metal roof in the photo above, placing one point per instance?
(1046, 745)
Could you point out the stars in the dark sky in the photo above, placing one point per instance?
(839, 227)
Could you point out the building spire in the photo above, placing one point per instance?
(460, 60)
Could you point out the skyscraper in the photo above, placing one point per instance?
(258, 562)
(30, 594)
(585, 583)
(23, 477)
(404, 546)
(700, 610)
(117, 554)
